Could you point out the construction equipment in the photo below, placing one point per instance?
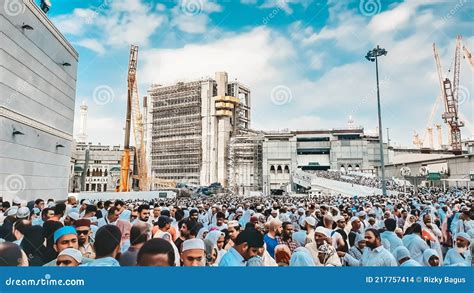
(468, 56)
(133, 110)
(449, 92)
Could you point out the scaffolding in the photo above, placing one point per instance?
(245, 163)
(176, 132)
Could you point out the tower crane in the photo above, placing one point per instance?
(449, 92)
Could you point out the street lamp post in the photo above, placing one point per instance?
(372, 56)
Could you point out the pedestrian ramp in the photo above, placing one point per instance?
(313, 182)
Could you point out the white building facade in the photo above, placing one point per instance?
(38, 68)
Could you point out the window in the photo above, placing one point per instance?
(303, 139)
(279, 170)
(272, 169)
(313, 151)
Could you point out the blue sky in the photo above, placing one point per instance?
(303, 59)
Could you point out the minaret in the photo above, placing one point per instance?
(82, 136)
(351, 123)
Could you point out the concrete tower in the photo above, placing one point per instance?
(82, 136)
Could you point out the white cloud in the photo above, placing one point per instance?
(120, 23)
(93, 45)
(254, 56)
(285, 5)
(192, 16)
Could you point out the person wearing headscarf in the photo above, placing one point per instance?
(460, 254)
(402, 255)
(431, 258)
(138, 237)
(32, 245)
(301, 257)
(431, 232)
(125, 227)
(217, 239)
(210, 253)
(409, 222)
(414, 243)
(202, 233)
(357, 250)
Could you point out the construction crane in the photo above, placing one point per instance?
(133, 111)
(468, 55)
(449, 92)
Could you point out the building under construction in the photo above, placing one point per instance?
(245, 163)
(190, 126)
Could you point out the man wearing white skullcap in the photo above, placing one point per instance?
(193, 252)
(460, 254)
(69, 257)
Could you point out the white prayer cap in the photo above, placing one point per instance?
(353, 219)
(361, 214)
(23, 213)
(338, 218)
(73, 215)
(311, 221)
(11, 211)
(86, 202)
(233, 223)
(301, 210)
(16, 200)
(74, 253)
(322, 230)
(193, 244)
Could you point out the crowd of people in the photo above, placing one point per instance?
(364, 179)
(433, 228)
